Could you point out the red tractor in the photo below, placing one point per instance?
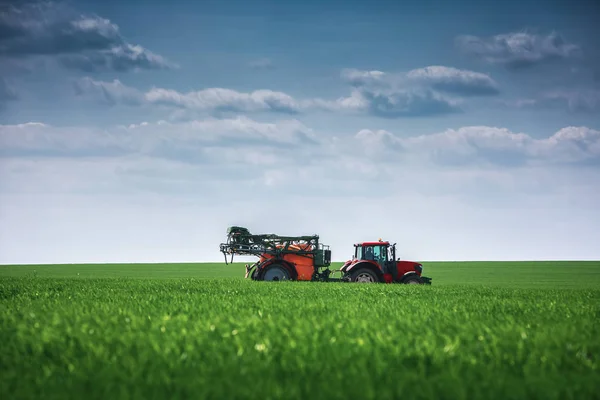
(376, 262)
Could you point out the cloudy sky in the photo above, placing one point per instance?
(137, 131)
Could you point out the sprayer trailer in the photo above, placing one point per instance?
(300, 258)
(304, 258)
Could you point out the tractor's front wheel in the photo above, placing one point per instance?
(413, 279)
(275, 272)
(364, 275)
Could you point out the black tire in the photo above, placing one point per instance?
(412, 279)
(275, 272)
(364, 275)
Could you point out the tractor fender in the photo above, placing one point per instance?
(407, 275)
(365, 264)
(287, 264)
(343, 267)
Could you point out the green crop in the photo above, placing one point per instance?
(481, 331)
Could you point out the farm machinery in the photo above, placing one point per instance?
(305, 258)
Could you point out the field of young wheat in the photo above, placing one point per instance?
(482, 330)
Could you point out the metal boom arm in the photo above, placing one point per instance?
(241, 242)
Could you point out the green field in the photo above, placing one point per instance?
(481, 331)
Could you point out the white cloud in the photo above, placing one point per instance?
(122, 58)
(483, 145)
(358, 77)
(108, 92)
(389, 103)
(176, 187)
(85, 42)
(431, 90)
(224, 99)
(196, 141)
(190, 141)
(587, 100)
(199, 156)
(420, 92)
(390, 96)
(519, 49)
(453, 80)
(211, 99)
(572, 100)
(408, 102)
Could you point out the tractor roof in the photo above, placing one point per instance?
(380, 243)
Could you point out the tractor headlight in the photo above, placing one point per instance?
(419, 268)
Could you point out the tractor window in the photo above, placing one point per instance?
(373, 253)
(376, 253)
(359, 251)
(380, 253)
(368, 255)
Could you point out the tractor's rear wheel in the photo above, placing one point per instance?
(364, 275)
(413, 279)
(275, 272)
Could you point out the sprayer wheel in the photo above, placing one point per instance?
(275, 272)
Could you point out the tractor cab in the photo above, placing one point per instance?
(376, 261)
(381, 253)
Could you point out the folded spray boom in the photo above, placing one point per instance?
(241, 242)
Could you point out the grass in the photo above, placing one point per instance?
(539, 274)
(482, 330)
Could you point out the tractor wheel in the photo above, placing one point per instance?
(364, 275)
(413, 279)
(275, 272)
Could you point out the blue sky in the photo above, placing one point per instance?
(136, 131)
